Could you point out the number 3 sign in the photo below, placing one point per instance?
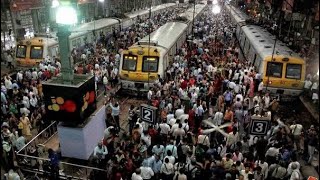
(259, 127)
(148, 113)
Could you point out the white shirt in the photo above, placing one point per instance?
(204, 140)
(245, 175)
(149, 95)
(296, 129)
(171, 159)
(136, 177)
(165, 128)
(296, 175)
(100, 152)
(218, 116)
(167, 168)
(179, 112)
(146, 172)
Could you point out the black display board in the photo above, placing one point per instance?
(70, 104)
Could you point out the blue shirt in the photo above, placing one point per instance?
(156, 167)
(148, 162)
(54, 159)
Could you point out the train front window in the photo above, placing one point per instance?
(274, 69)
(129, 63)
(150, 64)
(21, 51)
(293, 71)
(36, 52)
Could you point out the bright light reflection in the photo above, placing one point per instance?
(216, 9)
(101, 1)
(215, 2)
(66, 15)
(55, 3)
(318, 73)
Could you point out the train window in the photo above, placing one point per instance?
(274, 69)
(21, 51)
(150, 64)
(293, 71)
(36, 52)
(129, 63)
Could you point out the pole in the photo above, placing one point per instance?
(66, 66)
(274, 47)
(149, 41)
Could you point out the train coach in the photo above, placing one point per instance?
(146, 61)
(30, 52)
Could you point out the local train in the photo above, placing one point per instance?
(32, 51)
(144, 63)
(282, 70)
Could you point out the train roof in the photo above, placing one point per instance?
(237, 14)
(146, 11)
(166, 35)
(188, 14)
(93, 25)
(263, 42)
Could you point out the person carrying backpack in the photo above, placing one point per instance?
(191, 169)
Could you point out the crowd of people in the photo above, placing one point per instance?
(207, 84)
(207, 80)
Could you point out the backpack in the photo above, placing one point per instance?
(189, 172)
(199, 152)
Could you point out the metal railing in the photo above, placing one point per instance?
(33, 158)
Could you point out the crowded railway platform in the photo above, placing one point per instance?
(213, 119)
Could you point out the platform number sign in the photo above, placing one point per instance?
(148, 113)
(259, 127)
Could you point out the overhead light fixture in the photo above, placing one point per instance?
(216, 9)
(66, 15)
(214, 2)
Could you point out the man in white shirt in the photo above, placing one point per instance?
(174, 125)
(158, 150)
(137, 175)
(264, 167)
(204, 140)
(172, 148)
(149, 95)
(167, 169)
(179, 112)
(245, 173)
(296, 130)
(218, 117)
(100, 151)
(146, 172)
(179, 132)
(164, 128)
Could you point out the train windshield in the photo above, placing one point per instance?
(21, 51)
(36, 52)
(274, 69)
(129, 63)
(150, 64)
(293, 71)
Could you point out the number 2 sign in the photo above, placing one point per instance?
(148, 113)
